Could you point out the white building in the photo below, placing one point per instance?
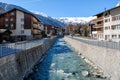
(107, 25)
(112, 24)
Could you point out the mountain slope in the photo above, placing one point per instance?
(76, 19)
(44, 19)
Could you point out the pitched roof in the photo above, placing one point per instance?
(107, 10)
(42, 19)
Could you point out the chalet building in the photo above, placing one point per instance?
(50, 26)
(52, 30)
(107, 25)
(23, 25)
(97, 27)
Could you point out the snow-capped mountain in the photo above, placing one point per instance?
(39, 15)
(76, 19)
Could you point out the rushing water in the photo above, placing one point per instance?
(61, 63)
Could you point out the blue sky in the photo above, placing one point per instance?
(65, 8)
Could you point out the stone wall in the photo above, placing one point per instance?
(107, 59)
(15, 66)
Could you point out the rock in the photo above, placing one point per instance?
(73, 73)
(98, 73)
(79, 53)
(82, 57)
(85, 73)
(53, 64)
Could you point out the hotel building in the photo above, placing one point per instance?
(107, 25)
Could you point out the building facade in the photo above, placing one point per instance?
(22, 25)
(97, 26)
(107, 25)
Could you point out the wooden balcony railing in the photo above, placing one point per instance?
(35, 26)
(35, 31)
(98, 26)
(98, 19)
(99, 31)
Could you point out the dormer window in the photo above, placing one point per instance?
(106, 14)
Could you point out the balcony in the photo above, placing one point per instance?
(35, 21)
(34, 31)
(97, 19)
(35, 26)
(97, 32)
(98, 25)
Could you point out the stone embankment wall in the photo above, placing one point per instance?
(105, 58)
(15, 66)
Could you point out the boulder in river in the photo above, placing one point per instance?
(85, 73)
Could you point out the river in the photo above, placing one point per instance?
(62, 63)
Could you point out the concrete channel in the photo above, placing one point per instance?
(63, 63)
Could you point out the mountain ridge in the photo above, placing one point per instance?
(4, 7)
(76, 19)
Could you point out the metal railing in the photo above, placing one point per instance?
(12, 48)
(106, 44)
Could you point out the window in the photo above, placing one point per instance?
(6, 19)
(114, 36)
(115, 18)
(12, 26)
(22, 25)
(22, 19)
(119, 36)
(22, 31)
(6, 25)
(12, 13)
(107, 37)
(117, 27)
(107, 20)
(11, 19)
(107, 28)
(113, 27)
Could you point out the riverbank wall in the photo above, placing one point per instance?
(15, 66)
(106, 58)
